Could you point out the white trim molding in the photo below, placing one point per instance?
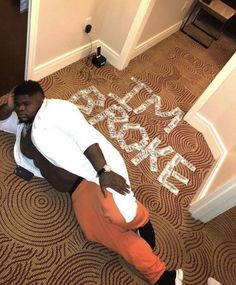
(214, 141)
(111, 55)
(209, 202)
(156, 39)
(206, 207)
(119, 61)
(216, 203)
(72, 56)
(137, 27)
(32, 29)
(218, 150)
(61, 61)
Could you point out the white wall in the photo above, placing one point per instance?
(55, 33)
(214, 115)
(60, 26)
(219, 110)
(56, 36)
(165, 14)
(117, 22)
(165, 19)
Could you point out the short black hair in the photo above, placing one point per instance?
(29, 88)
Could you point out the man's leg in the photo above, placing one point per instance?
(102, 222)
(148, 234)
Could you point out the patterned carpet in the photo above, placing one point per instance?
(40, 240)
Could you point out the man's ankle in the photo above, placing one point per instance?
(148, 234)
(167, 278)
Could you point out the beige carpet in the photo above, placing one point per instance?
(40, 240)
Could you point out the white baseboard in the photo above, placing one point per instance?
(208, 206)
(210, 133)
(216, 146)
(70, 57)
(112, 56)
(156, 39)
(216, 203)
(61, 61)
(212, 281)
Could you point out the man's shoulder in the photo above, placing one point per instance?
(57, 101)
(55, 110)
(58, 105)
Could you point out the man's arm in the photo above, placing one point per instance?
(106, 179)
(7, 108)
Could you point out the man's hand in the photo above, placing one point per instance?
(6, 109)
(106, 179)
(114, 181)
(10, 100)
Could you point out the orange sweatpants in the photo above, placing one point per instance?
(102, 222)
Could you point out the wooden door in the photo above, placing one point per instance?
(13, 35)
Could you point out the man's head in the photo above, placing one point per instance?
(28, 98)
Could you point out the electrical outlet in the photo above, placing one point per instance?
(88, 29)
(88, 21)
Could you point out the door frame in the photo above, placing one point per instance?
(206, 204)
(32, 29)
(137, 27)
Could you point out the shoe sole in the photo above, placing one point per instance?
(179, 277)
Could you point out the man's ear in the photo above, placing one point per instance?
(40, 97)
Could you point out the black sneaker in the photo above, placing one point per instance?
(171, 278)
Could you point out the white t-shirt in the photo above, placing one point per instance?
(62, 134)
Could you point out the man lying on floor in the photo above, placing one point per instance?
(54, 141)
